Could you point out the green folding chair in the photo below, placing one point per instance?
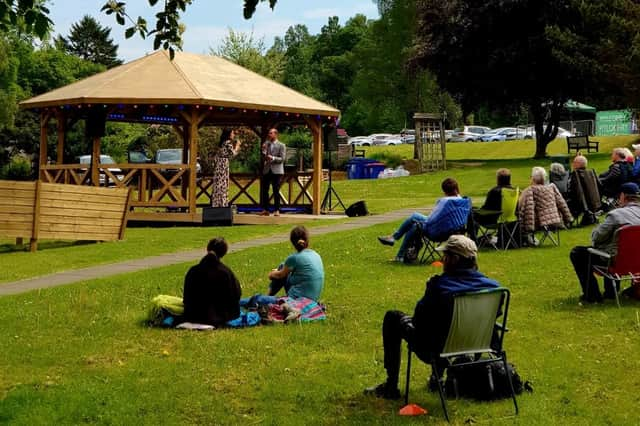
(473, 324)
(505, 232)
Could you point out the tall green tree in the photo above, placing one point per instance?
(91, 41)
(506, 53)
(251, 53)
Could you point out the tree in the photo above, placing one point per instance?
(167, 32)
(506, 53)
(90, 41)
(250, 53)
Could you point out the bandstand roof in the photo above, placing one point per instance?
(189, 79)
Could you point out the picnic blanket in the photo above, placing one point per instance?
(301, 309)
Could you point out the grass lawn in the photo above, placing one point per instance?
(473, 164)
(80, 353)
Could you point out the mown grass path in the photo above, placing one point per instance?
(103, 271)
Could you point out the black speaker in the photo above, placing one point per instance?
(96, 122)
(359, 208)
(330, 138)
(217, 216)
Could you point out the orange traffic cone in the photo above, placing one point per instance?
(437, 264)
(412, 410)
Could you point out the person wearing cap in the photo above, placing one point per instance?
(635, 172)
(604, 238)
(427, 330)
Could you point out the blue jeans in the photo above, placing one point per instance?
(262, 299)
(407, 229)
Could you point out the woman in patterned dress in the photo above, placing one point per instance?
(226, 150)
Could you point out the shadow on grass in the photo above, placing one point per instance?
(44, 245)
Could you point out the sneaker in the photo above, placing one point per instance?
(387, 241)
(263, 213)
(398, 259)
(383, 391)
(277, 213)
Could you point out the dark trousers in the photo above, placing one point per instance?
(580, 259)
(273, 180)
(397, 326)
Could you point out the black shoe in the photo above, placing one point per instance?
(387, 241)
(584, 299)
(383, 391)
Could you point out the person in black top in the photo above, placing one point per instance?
(211, 290)
(492, 208)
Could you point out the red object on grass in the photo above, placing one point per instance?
(412, 410)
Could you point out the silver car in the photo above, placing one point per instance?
(469, 133)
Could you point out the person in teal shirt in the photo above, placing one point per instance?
(301, 274)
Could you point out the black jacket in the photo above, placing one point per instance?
(211, 293)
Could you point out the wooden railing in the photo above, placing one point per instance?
(166, 188)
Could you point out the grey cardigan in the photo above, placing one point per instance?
(605, 236)
(278, 151)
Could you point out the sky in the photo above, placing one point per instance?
(209, 21)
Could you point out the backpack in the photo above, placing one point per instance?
(413, 248)
(484, 382)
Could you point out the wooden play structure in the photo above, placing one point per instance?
(37, 210)
(189, 92)
(430, 145)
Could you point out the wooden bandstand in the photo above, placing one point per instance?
(189, 92)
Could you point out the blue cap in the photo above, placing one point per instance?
(629, 188)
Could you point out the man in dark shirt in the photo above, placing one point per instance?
(211, 291)
(427, 330)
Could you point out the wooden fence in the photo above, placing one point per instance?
(38, 210)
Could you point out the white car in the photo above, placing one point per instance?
(379, 139)
(360, 141)
(104, 159)
(469, 133)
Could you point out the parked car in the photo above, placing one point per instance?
(171, 156)
(469, 133)
(104, 159)
(408, 135)
(378, 139)
(500, 134)
(138, 157)
(360, 141)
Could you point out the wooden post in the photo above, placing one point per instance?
(316, 131)
(95, 160)
(35, 229)
(61, 129)
(44, 119)
(193, 156)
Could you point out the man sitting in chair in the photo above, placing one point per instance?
(583, 193)
(492, 208)
(427, 330)
(604, 238)
(451, 211)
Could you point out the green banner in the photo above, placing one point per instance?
(615, 122)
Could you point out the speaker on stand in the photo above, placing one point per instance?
(330, 145)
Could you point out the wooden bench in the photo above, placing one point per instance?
(37, 210)
(581, 142)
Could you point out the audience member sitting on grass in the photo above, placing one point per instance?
(583, 197)
(491, 209)
(211, 290)
(604, 238)
(616, 175)
(301, 274)
(559, 177)
(427, 330)
(541, 206)
(448, 212)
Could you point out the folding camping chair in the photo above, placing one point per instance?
(505, 232)
(625, 265)
(471, 334)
